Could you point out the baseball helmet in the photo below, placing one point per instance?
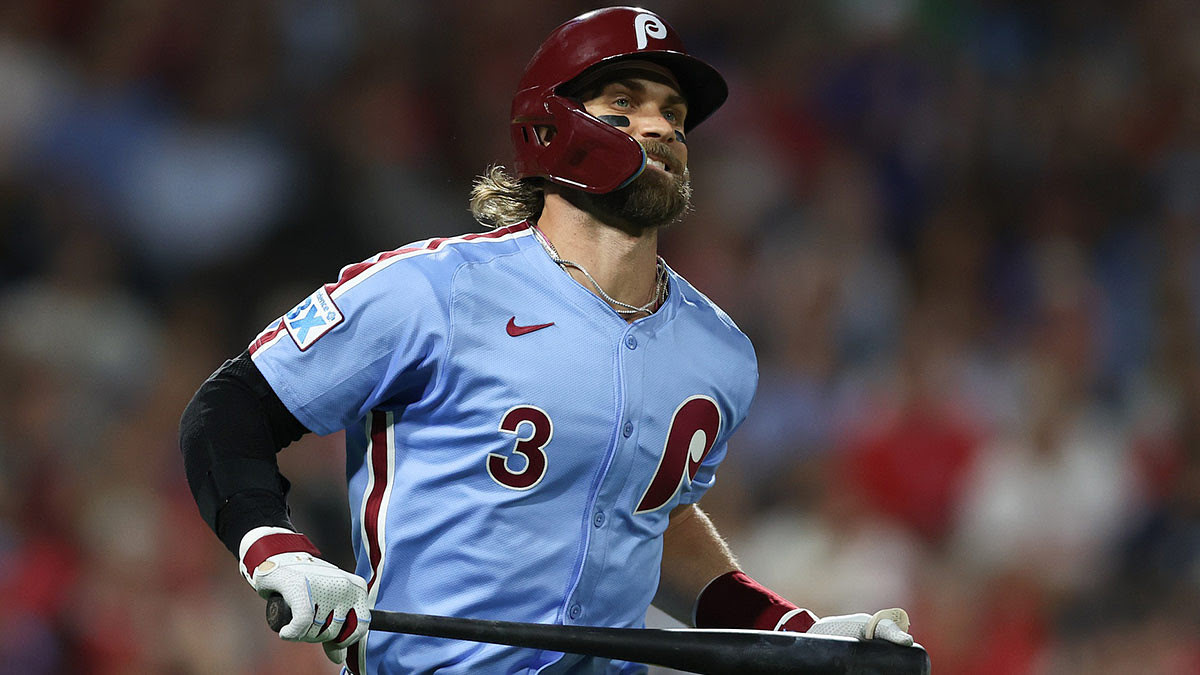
(581, 151)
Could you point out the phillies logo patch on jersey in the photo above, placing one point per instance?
(311, 319)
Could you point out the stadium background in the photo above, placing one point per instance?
(965, 238)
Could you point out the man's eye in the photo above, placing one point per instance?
(670, 116)
(621, 102)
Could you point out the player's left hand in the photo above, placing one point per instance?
(886, 624)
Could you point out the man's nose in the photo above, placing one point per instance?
(654, 125)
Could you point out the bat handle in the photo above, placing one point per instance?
(278, 612)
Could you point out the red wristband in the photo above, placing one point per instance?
(734, 600)
(273, 544)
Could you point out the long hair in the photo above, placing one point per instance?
(499, 199)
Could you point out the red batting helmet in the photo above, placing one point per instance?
(584, 152)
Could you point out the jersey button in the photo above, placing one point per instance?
(575, 611)
(598, 520)
(631, 342)
(627, 430)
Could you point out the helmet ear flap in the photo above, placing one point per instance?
(571, 147)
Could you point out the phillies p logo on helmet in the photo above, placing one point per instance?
(648, 26)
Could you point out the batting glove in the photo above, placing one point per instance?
(329, 605)
(886, 624)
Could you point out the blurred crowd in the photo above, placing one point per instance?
(963, 236)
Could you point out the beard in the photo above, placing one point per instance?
(654, 199)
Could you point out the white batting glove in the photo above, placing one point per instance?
(329, 605)
(886, 624)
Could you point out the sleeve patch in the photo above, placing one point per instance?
(313, 318)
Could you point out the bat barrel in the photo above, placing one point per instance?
(716, 652)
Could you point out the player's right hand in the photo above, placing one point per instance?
(886, 624)
(328, 604)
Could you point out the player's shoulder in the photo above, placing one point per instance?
(435, 258)
(700, 308)
(468, 247)
(477, 246)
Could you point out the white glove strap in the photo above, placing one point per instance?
(897, 615)
(251, 538)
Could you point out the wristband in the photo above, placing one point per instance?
(734, 600)
(263, 542)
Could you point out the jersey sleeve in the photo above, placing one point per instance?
(373, 336)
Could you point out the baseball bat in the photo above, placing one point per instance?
(695, 650)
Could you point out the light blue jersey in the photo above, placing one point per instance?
(514, 446)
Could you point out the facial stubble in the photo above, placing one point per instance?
(654, 199)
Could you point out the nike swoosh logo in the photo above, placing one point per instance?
(516, 331)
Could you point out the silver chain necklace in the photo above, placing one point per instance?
(661, 287)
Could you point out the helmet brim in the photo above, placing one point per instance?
(702, 86)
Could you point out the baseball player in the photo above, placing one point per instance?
(531, 413)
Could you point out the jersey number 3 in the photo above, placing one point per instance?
(691, 436)
(531, 447)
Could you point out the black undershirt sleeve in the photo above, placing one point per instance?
(229, 435)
